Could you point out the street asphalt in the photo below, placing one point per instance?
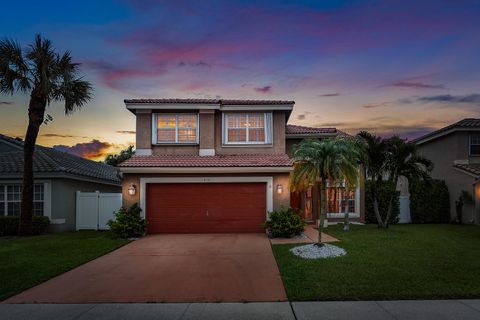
(371, 310)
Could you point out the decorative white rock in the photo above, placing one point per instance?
(311, 251)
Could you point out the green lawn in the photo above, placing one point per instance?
(403, 262)
(26, 262)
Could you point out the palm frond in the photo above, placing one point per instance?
(43, 59)
(14, 71)
(76, 94)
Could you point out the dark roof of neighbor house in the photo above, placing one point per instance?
(210, 101)
(240, 160)
(48, 161)
(473, 168)
(294, 130)
(464, 124)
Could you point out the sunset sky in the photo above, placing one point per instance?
(390, 67)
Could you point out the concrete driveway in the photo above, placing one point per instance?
(171, 268)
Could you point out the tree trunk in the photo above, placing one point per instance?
(346, 222)
(322, 209)
(390, 203)
(389, 212)
(377, 212)
(36, 112)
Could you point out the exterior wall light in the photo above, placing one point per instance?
(279, 189)
(132, 190)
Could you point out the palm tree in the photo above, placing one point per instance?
(320, 161)
(48, 77)
(387, 160)
(374, 160)
(403, 160)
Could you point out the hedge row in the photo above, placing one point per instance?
(9, 225)
(429, 202)
(384, 192)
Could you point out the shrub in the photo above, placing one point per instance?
(40, 224)
(9, 225)
(128, 223)
(429, 201)
(384, 192)
(284, 223)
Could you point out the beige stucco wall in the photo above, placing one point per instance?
(207, 129)
(443, 152)
(278, 178)
(290, 143)
(175, 149)
(143, 132)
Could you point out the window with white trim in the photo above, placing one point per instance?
(176, 128)
(247, 128)
(337, 199)
(475, 145)
(11, 198)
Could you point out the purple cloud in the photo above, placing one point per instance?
(90, 150)
(377, 105)
(329, 94)
(473, 98)
(417, 85)
(265, 89)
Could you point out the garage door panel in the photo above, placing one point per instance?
(206, 208)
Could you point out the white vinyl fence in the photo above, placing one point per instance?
(404, 216)
(94, 209)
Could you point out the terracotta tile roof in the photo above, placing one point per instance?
(473, 168)
(51, 161)
(301, 130)
(241, 160)
(468, 123)
(210, 101)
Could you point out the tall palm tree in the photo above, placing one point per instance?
(387, 160)
(374, 161)
(48, 77)
(403, 160)
(319, 161)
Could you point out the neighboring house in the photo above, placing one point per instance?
(455, 152)
(207, 165)
(58, 175)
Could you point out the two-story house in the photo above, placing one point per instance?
(208, 165)
(455, 152)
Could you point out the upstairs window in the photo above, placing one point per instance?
(176, 128)
(475, 145)
(247, 128)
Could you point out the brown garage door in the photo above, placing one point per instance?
(206, 207)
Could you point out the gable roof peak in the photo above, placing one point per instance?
(463, 124)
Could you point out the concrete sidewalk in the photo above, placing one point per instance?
(418, 309)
